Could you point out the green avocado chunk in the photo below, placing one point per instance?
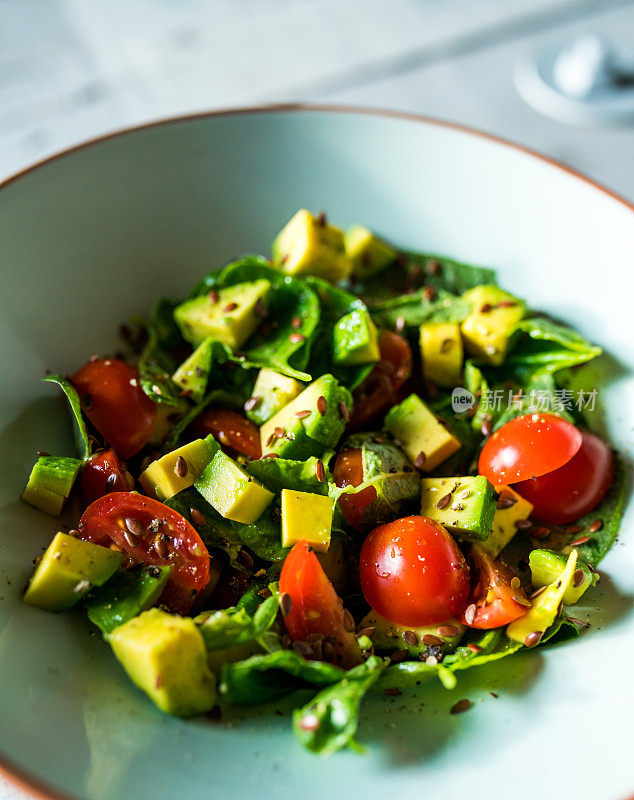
(464, 505)
(548, 565)
(50, 483)
(166, 657)
(355, 339)
(234, 493)
(125, 596)
(229, 315)
(272, 391)
(388, 636)
(193, 373)
(367, 253)
(493, 319)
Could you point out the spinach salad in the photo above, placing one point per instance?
(344, 469)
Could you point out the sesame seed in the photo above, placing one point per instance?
(444, 501)
(579, 541)
(320, 472)
(578, 578)
(470, 613)
(461, 706)
(447, 630)
(344, 411)
(420, 460)
(596, 526)
(180, 467)
(286, 604)
(296, 338)
(252, 402)
(322, 405)
(533, 638)
(303, 414)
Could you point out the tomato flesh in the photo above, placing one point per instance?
(102, 474)
(316, 608)
(378, 390)
(232, 430)
(567, 493)
(115, 403)
(528, 447)
(413, 573)
(496, 602)
(148, 531)
(348, 471)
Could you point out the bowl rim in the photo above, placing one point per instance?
(20, 778)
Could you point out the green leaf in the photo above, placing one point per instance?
(416, 308)
(329, 722)
(82, 438)
(233, 626)
(538, 393)
(156, 364)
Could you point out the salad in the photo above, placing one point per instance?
(345, 469)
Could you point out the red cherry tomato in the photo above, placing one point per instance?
(567, 493)
(527, 447)
(150, 532)
(115, 403)
(413, 573)
(232, 430)
(349, 472)
(315, 606)
(496, 602)
(102, 474)
(377, 391)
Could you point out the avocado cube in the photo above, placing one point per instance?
(511, 508)
(69, 568)
(390, 636)
(355, 339)
(165, 656)
(424, 438)
(229, 315)
(193, 374)
(545, 607)
(547, 566)
(465, 506)
(308, 245)
(367, 253)
(166, 416)
(441, 352)
(310, 424)
(50, 483)
(125, 596)
(271, 393)
(488, 328)
(178, 469)
(307, 517)
(234, 494)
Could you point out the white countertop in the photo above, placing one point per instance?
(71, 70)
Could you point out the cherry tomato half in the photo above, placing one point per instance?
(349, 472)
(102, 474)
(527, 447)
(150, 532)
(413, 573)
(377, 391)
(567, 493)
(496, 601)
(315, 606)
(232, 430)
(115, 403)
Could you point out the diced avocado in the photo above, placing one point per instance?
(193, 373)
(545, 607)
(488, 328)
(50, 483)
(166, 657)
(308, 517)
(367, 253)
(547, 566)
(126, 595)
(68, 570)
(441, 352)
(425, 440)
(271, 393)
(178, 470)
(234, 494)
(510, 509)
(356, 339)
(308, 245)
(390, 636)
(228, 315)
(166, 417)
(310, 424)
(465, 506)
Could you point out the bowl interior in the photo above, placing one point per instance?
(94, 237)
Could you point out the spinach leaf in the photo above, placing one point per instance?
(233, 626)
(416, 308)
(277, 344)
(282, 473)
(329, 722)
(263, 678)
(156, 363)
(335, 303)
(538, 393)
(82, 437)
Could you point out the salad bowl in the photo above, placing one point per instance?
(96, 235)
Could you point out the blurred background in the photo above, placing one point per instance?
(523, 69)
